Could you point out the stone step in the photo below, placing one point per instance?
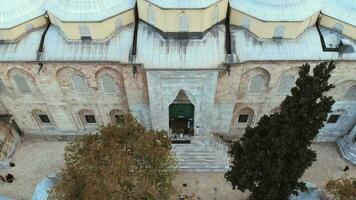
(345, 149)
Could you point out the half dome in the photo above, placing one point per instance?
(277, 10)
(16, 12)
(87, 10)
(343, 10)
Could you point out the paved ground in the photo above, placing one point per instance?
(36, 158)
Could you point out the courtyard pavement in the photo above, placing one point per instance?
(36, 158)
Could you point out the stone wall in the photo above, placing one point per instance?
(53, 94)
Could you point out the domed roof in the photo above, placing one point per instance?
(344, 10)
(277, 10)
(15, 12)
(87, 10)
(170, 4)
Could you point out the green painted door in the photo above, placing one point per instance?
(181, 118)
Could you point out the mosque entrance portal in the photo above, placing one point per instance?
(181, 119)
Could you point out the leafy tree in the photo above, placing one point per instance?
(271, 157)
(121, 162)
(342, 188)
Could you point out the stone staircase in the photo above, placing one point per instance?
(347, 149)
(201, 156)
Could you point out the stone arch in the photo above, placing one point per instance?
(23, 81)
(183, 22)
(42, 117)
(116, 116)
(255, 81)
(88, 118)
(116, 75)
(64, 76)
(243, 117)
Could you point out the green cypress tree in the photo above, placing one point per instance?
(272, 156)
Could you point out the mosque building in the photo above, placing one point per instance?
(203, 70)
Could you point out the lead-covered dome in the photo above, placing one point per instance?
(343, 10)
(183, 4)
(87, 10)
(16, 12)
(277, 10)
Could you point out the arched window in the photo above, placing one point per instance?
(84, 32)
(42, 117)
(257, 84)
(246, 23)
(151, 15)
(118, 23)
(351, 94)
(2, 87)
(338, 27)
(285, 84)
(87, 117)
(279, 32)
(183, 23)
(22, 84)
(79, 84)
(116, 116)
(108, 84)
(215, 15)
(244, 117)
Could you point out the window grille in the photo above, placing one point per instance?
(108, 84)
(22, 84)
(79, 84)
(286, 83)
(256, 84)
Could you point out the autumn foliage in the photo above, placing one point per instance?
(121, 162)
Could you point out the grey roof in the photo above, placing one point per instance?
(183, 3)
(15, 12)
(88, 10)
(344, 10)
(277, 10)
(117, 48)
(247, 47)
(156, 52)
(23, 50)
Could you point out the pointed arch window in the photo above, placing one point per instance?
(79, 84)
(215, 15)
(84, 32)
(257, 84)
(108, 84)
(151, 15)
(351, 94)
(21, 84)
(279, 32)
(183, 23)
(285, 84)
